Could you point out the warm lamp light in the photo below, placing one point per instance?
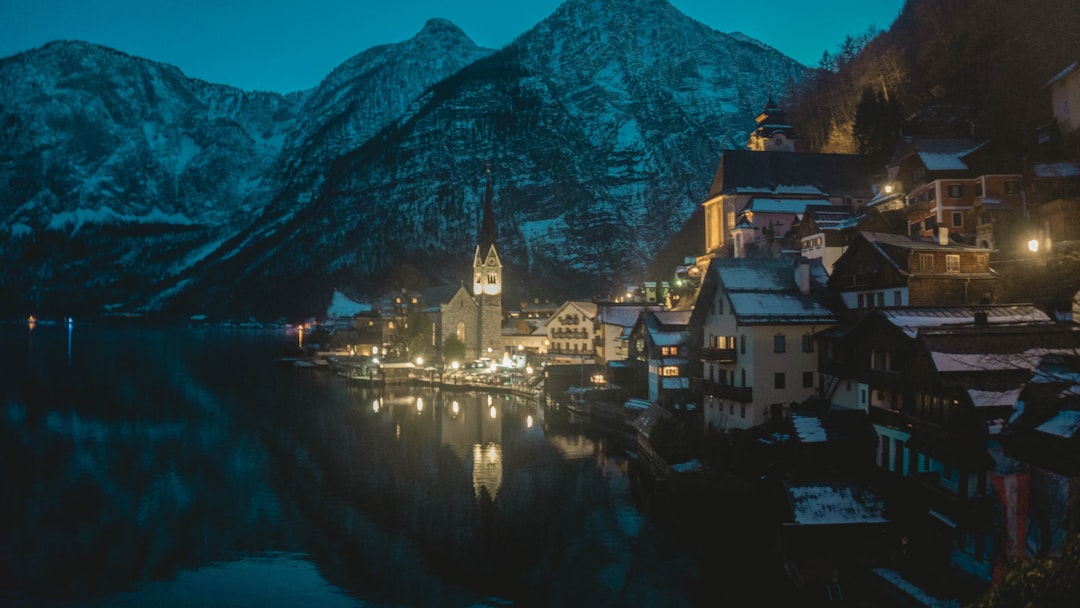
(1033, 245)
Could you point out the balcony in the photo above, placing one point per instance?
(742, 394)
(718, 355)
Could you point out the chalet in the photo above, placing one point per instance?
(571, 331)
(820, 234)
(660, 343)
(884, 270)
(757, 318)
(614, 324)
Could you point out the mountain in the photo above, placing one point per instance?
(599, 128)
(119, 170)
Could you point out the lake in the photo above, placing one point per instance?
(179, 467)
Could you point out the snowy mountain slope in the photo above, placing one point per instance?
(129, 183)
(601, 126)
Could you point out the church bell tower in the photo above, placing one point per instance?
(487, 283)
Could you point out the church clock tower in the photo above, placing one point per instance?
(487, 283)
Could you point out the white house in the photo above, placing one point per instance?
(758, 319)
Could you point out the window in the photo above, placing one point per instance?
(957, 219)
(669, 371)
(778, 380)
(981, 260)
(779, 343)
(742, 376)
(978, 188)
(897, 298)
(952, 263)
(808, 379)
(742, 344)
(742, 411)
(807, 343)
(1012, 186)
(862, 301)
(669, 351)
(881, 299)
(926, 262)
(956, 190)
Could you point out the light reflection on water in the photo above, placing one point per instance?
(156, 467)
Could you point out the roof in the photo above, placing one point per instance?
(432, 297)
(831, 425)
(829, 503)
(911, 319)
(937, 153)
(897, 248)
(1063, 73)
(1065, 424)
(807, 173)
(782, 205)
(763, 291)
(828, 217)
(623, 315)
(1065, 168)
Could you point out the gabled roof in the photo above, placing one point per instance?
(623, 315)
(584, 308)
(760, 204)
(911, 319)
(896, 249)
(828, 217)
(790, 173)
(433, 297)
(936, 153)
(763, 291)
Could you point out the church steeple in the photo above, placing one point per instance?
(487, 224)
(773, 132)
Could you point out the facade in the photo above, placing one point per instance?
(1065, 98)
(886, 270)
(571, 332)
(660, 342)
(758, 319)
(948, 202)
(615, 323)
(820, 234)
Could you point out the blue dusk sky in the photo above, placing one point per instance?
(285, 45)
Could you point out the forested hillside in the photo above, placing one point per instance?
(971, 67)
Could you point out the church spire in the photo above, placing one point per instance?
(487, 226)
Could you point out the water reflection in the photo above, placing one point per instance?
(151, 460)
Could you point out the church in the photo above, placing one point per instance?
(472, 315)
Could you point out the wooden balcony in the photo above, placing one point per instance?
(718, 355)
(742, 394)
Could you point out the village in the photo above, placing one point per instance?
(899, 357)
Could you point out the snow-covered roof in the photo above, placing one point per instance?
(986, 362)
(674, 382)
(673, 317)
(1065, 424)
(830, 503)
(981, 398)
(782, 205)
(341, 306)
(910, 319)
(809, 428)
(623, 316)
(1065, 168)
(764, 308)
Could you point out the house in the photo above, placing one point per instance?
(660, 343)
(571, 332)
(938, 384)
(820, 233)
(948, 202)
(757, 318)
(883, 270)
(615, 321)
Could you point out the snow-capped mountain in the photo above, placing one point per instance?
(600, 127)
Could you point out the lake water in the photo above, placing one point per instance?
(181, 467)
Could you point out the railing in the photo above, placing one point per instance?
(720, 355)
(742, 394)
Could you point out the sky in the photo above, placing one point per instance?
(286, 45)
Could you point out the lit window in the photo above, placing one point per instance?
(952, 263)
(669, 370)
(926, 262)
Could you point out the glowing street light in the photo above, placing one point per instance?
(1033, 245)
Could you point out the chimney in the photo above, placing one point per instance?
(943, 236)
(802, 275)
